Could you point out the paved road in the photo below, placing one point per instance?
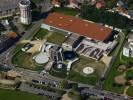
(35, 90)
(6, 56)
(53, 81)
(110, 95)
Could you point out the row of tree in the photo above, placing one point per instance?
(103, 16)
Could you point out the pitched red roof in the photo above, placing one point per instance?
(12, 34)
(77, 25)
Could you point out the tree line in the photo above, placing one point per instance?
(105, 17)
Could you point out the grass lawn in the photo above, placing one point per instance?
(108, 83)
(24, 60)
(62, 73)
(126, 59)
(129, 74)
(130, 91)
(36, 1)
(66, 11)
(17, 95)
(18, 47)
(88, 62)
(76, 74)
(57, 38)
(41, 34)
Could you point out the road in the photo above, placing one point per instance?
(107, 94)
(6, 56)
(41, 91)
(54, 82)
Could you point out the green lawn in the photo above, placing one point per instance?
(24, 60)
(108, 83)
(76, 73)
(41, 34)
(36, 1)
(18, 47)
(57, 38)
(17, 95)
(126, 59)
(75, 76)
(62, 73)
(66, 11)
(130, 91)
(129, 74)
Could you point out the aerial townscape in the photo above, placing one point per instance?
(66, 49)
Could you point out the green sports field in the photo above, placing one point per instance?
(17, 95)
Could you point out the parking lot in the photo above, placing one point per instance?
(93, 49)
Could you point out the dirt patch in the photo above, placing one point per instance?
(120, 79)
(121, 68)
(66, 97)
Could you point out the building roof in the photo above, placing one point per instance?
(77, 25)
(12, 34)
(100, 4)
(8, 4)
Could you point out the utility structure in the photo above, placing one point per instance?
(25, 12)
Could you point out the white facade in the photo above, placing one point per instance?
(45, 26)
(25, 12)
(128, 51)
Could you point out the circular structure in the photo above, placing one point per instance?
(25, 12)
(41, 58)
(88, 70)
(69, 55)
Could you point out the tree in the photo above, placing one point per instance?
(102, 16)
(75, 86)
(64, 84)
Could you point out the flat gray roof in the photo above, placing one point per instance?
(130, 36)
(8, 4)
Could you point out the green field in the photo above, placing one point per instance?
(41, 34)
(129, 74)
(62, 73)
(76, 74)
(125, 59)
(108, 83)
(17, 95)
(130, 91)
(57, 38)
(24, 60)
(36, 1)
(66, 11)
(18, 47)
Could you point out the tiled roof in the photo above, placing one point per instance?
(77, 25)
